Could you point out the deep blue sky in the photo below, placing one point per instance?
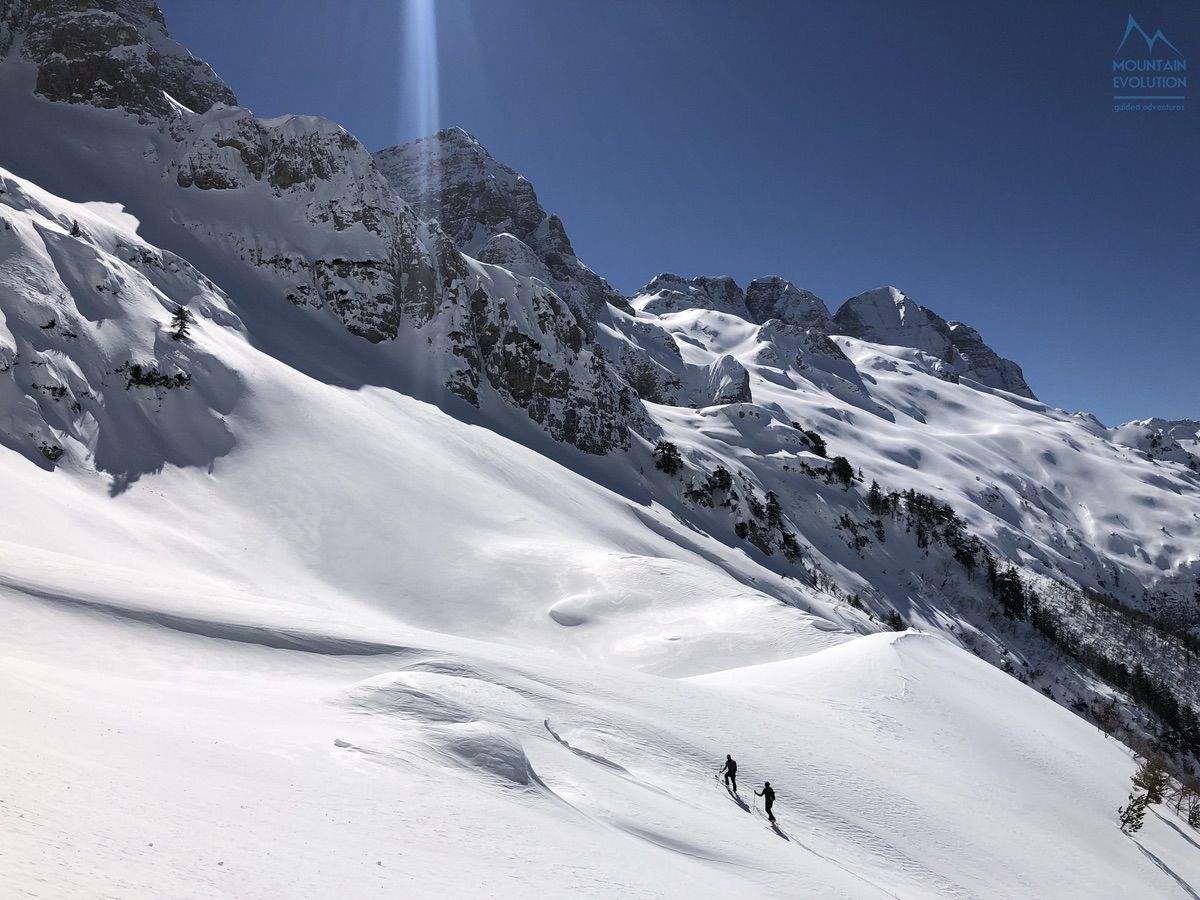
(966, 152)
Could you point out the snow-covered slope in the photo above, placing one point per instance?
(87, 369)
(1173, 441)
(373, 583)
(351, 758)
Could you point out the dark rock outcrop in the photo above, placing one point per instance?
(774, 297)
(450, 178)
(109, 53)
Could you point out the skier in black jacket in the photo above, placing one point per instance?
(729, 770)
(768, 795)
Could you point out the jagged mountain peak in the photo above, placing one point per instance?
(458, 134)
(109, 53)
(765, 298)
(774, 297)
(450, 177)
(886, 315)
(668, 293)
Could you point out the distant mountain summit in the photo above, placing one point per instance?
(887, 316)
(775, 297)
(669, 293)
(882, 316)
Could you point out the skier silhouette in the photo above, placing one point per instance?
(768, 795)
(729, 770)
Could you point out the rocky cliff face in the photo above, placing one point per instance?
(774, 297)
(112, 53)
(301, 200)
(887, 316)
(342, 243)
(487, 209)
(493, 215)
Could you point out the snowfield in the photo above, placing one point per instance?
(293, 613)
(200, 755)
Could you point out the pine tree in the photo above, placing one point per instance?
(718, 479)
(791, 547)
(1132, 814)
(842, 471)
(181, 321)
(1152, 778)
(875, 499)
(814, 440)
(1193, 811)
(1188, 795)
(75, 230)
(667, 458)
(774, 510)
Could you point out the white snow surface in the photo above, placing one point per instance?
(463, 673)
(281, 634)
